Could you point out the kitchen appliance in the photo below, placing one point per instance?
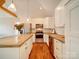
(39, 31)
(39, 34)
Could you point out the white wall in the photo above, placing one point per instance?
(47, 22)
(36, 21)
(51, 22)
(7, 26)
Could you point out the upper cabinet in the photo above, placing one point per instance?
(60, 17)
(60, 14)
(72, 10)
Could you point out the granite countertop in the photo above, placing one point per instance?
(14, 41)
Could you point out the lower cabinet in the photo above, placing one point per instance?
(51, 45)
(46, 38)
(25, 49)
(21, 52)
(58, 49)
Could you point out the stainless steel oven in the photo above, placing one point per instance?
(39, 34)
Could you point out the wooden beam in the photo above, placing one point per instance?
(8, 11)
(2, 2)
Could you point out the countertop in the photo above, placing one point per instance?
(14, 41)
(17, 41)
(57, 36)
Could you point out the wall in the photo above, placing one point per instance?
(48, 22)
(6, 26)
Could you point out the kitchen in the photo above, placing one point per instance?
(52, 22)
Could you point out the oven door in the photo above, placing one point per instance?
(39, 34)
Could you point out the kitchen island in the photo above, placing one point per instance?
(16, 47)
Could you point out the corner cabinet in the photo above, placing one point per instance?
(72, 30)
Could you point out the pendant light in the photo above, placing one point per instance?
(12, 5)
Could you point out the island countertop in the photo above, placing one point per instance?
(14, 41)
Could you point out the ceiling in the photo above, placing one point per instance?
(26, 8)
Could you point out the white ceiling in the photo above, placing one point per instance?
(31, 8)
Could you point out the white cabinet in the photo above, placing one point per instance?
(72, 30)
(25, 49)
(58, 49)
(9, 53)
(59, 16)
(60, 30)
(46, 38)
(60, 19)
(21, 52)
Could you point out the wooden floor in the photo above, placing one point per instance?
(40, 51)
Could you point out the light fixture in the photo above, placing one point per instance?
(40, 8)
(27, 19)
(12, 5)
(47, 18)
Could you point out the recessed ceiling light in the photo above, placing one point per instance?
(47, 17)
(40, 8)
(27, 19)
(12, 5)
(59, 8)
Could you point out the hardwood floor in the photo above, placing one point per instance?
(39, 40)
(40, 50)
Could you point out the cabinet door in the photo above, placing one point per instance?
(58, 49)
(22, 52)
(72, 29)
(25, 49)
(46, 38)
(59, 17)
